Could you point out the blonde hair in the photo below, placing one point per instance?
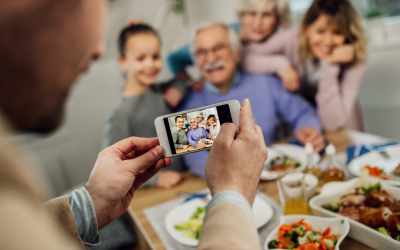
(281, 6)
(346, 17)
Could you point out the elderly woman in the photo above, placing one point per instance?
(329, 52)
(259, 21)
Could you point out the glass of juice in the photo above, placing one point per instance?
(292, 193)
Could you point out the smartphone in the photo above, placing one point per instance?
(195, 130)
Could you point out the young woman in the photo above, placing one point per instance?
(213, 125)
(259, 21)
(328, 51)
(179, 136)
(200, 121)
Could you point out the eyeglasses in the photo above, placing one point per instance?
(217, 50)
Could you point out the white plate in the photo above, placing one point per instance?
(358, 231)
(262, 212)
(208, 140)
(338, 226)
(293, 151)
(375, 159)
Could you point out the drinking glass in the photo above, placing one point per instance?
(292, 193)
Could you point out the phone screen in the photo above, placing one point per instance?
(196, 130)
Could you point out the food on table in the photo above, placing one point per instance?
(193, 227)
(372, 207)
(300, 236)
(377, 172)
(287, 164)
(209, 143)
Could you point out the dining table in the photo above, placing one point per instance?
(146, 198)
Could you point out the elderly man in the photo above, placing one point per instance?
(216, 49)
(39, 61)
(197, 133)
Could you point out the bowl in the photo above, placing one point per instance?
(338, 226)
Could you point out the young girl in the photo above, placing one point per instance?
(328, 51)
(142, 99)
(179, 136)
(213, 125)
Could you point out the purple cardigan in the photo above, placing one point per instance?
(269, 101)
(338, 87)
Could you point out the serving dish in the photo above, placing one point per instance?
(358, 231)
(338, 226)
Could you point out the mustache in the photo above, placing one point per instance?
(215, 65)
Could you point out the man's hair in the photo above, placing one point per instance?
(176, 118)
(234, 40)
(192, 119)
(132, 30)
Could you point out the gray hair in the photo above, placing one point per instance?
(232, 34)
(282, 8)
(193, 119)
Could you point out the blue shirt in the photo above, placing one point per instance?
(269, 102)
(178, 60)
(195, 135)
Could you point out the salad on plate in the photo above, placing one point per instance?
(193, 227)
(300, 236)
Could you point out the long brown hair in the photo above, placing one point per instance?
(346, 17)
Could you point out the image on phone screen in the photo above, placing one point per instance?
(195, 130)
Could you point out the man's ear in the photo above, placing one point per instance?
(122, 63)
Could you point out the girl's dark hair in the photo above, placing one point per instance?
(176, 118)
(132, 30)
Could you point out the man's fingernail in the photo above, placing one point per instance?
(157, 151)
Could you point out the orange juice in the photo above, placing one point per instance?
(295, 206)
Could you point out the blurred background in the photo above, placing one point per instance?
(68, 156)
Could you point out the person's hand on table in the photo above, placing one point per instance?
(172, 96)
(185, 146)
(290, 79)
(119, 171)
(211, 137)
(236, 164)
(313, 136)
(200, 145)
(168, 179)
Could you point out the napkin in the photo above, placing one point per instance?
(358, 150)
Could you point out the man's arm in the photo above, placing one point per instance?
(228, 223)
(205, 132)
(190, 139)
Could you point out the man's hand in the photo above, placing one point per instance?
(236, 164)
(290, 79)
(185, 146)
(172, 96)
(211, 137)
(311, 135)
(186, 130)
(341, 54)
(168, 179)
(198, 85)
(200, 145)
(119, 171)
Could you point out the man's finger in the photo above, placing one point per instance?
(130, 144)
(260, 135)
(227, 134)
(246, 121)
(145, 175)
(146, 160)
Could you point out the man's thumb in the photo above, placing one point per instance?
(148, 159)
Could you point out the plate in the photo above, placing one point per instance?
(210, 141)
(293, 151)
(375, 159)
(358, 231)
(262, 212)
(338, 226)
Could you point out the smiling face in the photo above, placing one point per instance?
(142, 61)
(199, 119)
(211, 121)
(258, 25)
(214, 55)
(179, 123)
(324, 36)
(193, 123)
